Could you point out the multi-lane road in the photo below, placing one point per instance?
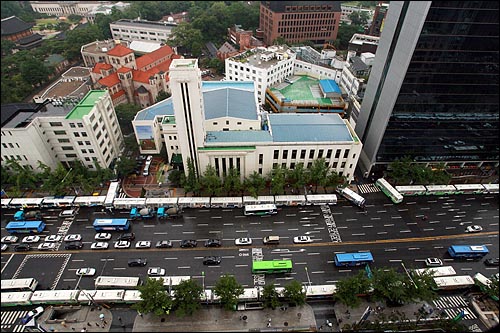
(395, 234)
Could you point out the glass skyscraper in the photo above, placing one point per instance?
(433, 90)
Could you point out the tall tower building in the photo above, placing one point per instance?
(185, 83)
(433, 90)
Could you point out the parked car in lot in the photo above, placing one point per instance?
(164, 244)
(47, 246)
(87, 271)
(122, 244)
(156, 271)
(189, 243)
(213, 243)
(31, 239)
(243, 241)
(143, 245)
(474, 228)
(9, 239)
(74, 245)
(22, 247)
(128, 236)
(53, 238)
(302, 239)
(99, 246)
(32, 314)
(491, 262)
(73, 237)
(433, 262)
(102, 236)
(211, 260)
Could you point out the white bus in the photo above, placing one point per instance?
(28, 284)
(267, 209)
(117, 282)
(437, 271)
(440, 189)
(145, 172)
(470, 189)
(290, 200)
(389, 190)
(454, 282)
(16, 298)
(352, 197)
(411, 189)
(491, 188)
(55, 297)
(103, 296)
(321, 199)
(111, 194)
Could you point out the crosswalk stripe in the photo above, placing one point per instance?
(368, 188)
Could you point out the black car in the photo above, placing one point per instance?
(211, 260)
(137, 262)
(164, 244)
(189, 243)
(491, 262)
(213, 243)
(22, 247)
(128, 236)
(75, 245)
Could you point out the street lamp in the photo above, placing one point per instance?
(203, 280)
(307, 273)
(67, 173)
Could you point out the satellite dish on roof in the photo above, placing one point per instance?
(170, 19)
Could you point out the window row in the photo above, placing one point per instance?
(312, 153)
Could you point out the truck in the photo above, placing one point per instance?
(169, 212)
(352, 196)
(134, 213)
(143, 213)
(21, 215)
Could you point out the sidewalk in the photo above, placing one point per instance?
(77, 318)
(212, 318)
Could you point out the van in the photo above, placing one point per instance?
(137, 262)
(271, 240)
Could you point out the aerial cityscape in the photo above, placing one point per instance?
(250, 166)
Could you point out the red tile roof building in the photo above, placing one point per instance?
(134, 80)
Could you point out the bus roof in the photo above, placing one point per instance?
(109, 221)
(22, 224)
(272, 264)
(354, 256)
(469, 248)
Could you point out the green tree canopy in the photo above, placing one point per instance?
(270, 296)
(187, 298)
(154, 298)
(229, 290)
(349, 289)
(294, 293)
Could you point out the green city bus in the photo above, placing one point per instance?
(271, 266)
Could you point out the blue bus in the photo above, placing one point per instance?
(25, 227)
(468, 251)
(111, 224)
(353, 259)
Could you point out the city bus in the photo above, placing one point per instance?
(469, 189)
(25, 227)
(27, 284)
(483, 283)
(16, 298)
(117, 282)
(267, 209)
(353, 258)
(411, 189)
(468, 251)
(491, 188)
(453, 282)
(440, 189)
(437, 271)
(271, 266)
(111, 224)
(55, 297)
(389, 190)
(352, 197)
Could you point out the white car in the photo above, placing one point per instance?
(99, 246)
(31, 239)
(32, 314)
(143, 245)
(103, 236)
(73, 237)
(122, 245)
(302, 239)
(243, 241)
(87, 271)
(4, 247)
(474, 228)
(9, 239)
(433, 262)
(156, 271)
(47, 246)
(53, 238)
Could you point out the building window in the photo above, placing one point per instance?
(285, 154)
(294, 154)
(346, 153)
(261, 158)
(311, 153)
(60, 132)
(303, 154)
(276, 154)
(56, 124)
(329, 153)
(337, 153)
(334, 166)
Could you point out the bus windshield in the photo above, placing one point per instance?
(111, 224)
(25, 227)
(271, 266)
(353, 259)
(267, 209)
(388, 190)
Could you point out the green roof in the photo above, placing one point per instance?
(86, 104)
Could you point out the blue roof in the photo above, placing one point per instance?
(243, 85)
(329, 86)
(296, 127)
(162, 108)
(230, 102)
(238, 136)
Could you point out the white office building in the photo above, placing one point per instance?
(142, 30)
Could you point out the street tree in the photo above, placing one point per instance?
(187, 298)
(33, 70)
(232, 182)
(190, 181)
(210, 181)
(277, 177)
(270, 296)
(349, 289)
(154, 299)
(298, 177)
(421, 286)
(319, 172)
(255, 184)
(229, 290)
(294, 293)
(390, 286)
